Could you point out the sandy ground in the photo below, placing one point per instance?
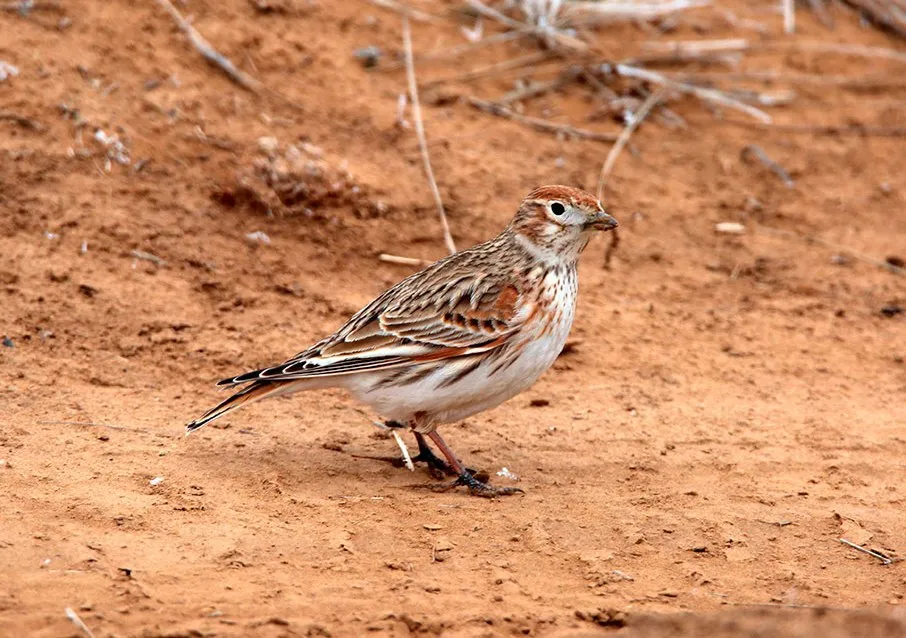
(732, 405)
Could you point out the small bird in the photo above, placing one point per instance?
(461, 336)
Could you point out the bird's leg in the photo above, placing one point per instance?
(437, 467)
(426, 455)
(466, 478)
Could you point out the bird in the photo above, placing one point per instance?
(461, 336)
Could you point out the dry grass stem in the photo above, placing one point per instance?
(709, 95)
(843, 81)
(209, 53)
(81, 626)
(698, 47)
(756, 152)
(415, 14)
(545, 33)
(407, 458)
(887, 14)
(820, 10)
(637, 117)
(741, 44)
(597, 12)
(885, 560)
(532, 59)
(540, 124)
(458, 50)
(420, 134)
(93, 425)
(823, 129)
(789, 16)
(569, 75)
(403, 261)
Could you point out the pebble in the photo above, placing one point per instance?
(368, 56)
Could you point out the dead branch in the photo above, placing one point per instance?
(885, 560)
(887, 14)
(822, 129)
(532, 59)
(789, 16)
(209, 53)
(709, 95)
(843, 81)
(420, 134)
(415, 14)
(755, 151)
(545, 34)
(637, 117)
(741, 44)
(403, 261)
(538, 123)
(569, 75)
(458, 50)
(94, 425)
(75, 620)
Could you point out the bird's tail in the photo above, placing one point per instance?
(252, 392)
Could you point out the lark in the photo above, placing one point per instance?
(459, 337)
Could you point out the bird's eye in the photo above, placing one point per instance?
(557, 208)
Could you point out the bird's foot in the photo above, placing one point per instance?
(479, 487)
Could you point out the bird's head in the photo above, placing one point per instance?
(559, 220)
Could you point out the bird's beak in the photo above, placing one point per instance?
(600, 220)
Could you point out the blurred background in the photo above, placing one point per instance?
(193, 189)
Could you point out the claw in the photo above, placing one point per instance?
(479, 488)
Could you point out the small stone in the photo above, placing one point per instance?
(268, 145)
(432, 527)
(258, 237)
(368, 56)
(8, 343)
(103, 437)
(895, 261)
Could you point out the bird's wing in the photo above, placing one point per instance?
(439, 313)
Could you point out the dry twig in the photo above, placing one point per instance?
(570, 74)
(637, 117)
(741, 44)
(415, 14)
(403, 261)
(822, 129)
(95, 425)
(420, 133)
(887, 14)
(885, 560)
(531, 59)
(546, 34)
(540, 124)
(74, 618)
(209, 53)
(709, 95)
(789, 16)
(753, 150)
